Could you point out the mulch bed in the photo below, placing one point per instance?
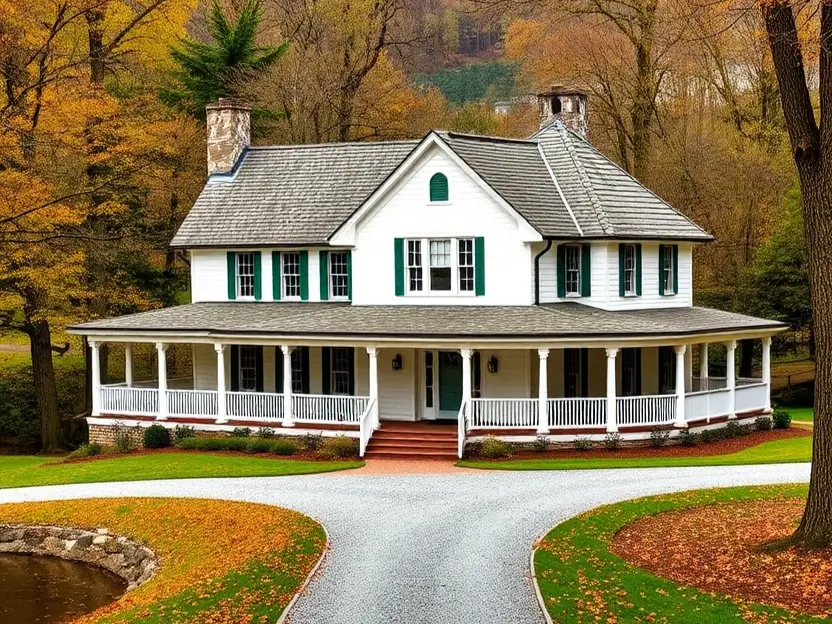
(301, 455)
(722, 447)
(717, 549)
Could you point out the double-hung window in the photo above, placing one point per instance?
(338, 274)
(291, 274)
(466, 264)
(297, 371)
(631, 372)
(244, 275)
(440, 265)
(667, 370)
(668, 270)
(248, 369)
(630, 270)
(573, 368)
(573, 270)
(449, 265)
(340, 372)
(414, 266)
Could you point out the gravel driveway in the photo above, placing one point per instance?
(444, 549)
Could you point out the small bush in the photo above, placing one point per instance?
(781, 419)
(312, 442)
(122, 438)
(265, 432)
(689, 438)
(540, 444)
(156, 436)
(582, 444)
(258, 445)
(494, 448)
(762, 423)
(732, 430)
(241, 432)
(283, 447)
(659, 437)
(183, 432)
(86, 450)
(612, 441)
(338, 447)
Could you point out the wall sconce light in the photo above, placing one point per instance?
(493, 365)
(397, 362)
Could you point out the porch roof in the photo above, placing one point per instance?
(559, 320)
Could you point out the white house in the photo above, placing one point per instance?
(515, 287)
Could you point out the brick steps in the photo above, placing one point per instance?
(413, 441)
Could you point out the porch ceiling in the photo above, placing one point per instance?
(553, 321)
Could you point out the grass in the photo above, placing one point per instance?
(582, 581)
(29, 470)
(801, 414)
(790, 450)
(220, 561)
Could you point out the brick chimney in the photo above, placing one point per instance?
(567, 104)
(229, 133)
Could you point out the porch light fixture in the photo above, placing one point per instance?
(493, 365)
(397, 362)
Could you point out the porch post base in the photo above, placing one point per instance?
(220, 421)
(160, 417)
(732, 416)
(287, 424)
(680, 424)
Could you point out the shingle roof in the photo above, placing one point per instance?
(302, 194)
(561, 320)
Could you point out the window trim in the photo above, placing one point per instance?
(420, 268)
(631, 247)
(284, 275)
(668, 258)
(346, 371)
(578, 248)
(331, 275)
(455, 290)
(239, 372)
(238, 275)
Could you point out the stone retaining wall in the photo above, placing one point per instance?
(129, 560)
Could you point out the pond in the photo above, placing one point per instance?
(46, 590)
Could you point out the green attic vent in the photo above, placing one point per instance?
(438, 187)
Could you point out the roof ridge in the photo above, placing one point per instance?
(485, 137)
(265, 148)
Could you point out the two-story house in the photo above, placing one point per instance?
(517, 287)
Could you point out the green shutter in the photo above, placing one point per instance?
(398, 265)
(561, 271)
(349, 275)
(621, 281)
(259, 369)
(438, 187)
(303, 256)
(231, 258)
(326, 371)
(479, 266)
(638, 270)
(675, 269)
(586, 271)
(278, 370)
(235, 368)
(276, 289)
(258, 279)
(323, 266)
(661, 269)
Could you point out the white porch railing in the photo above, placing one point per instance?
(659, 409)
(194, 403)
(129, 401)
(751, 397)
(703, 384)
(707, 404)
(365, 427)
(461, 428)
(577, 412)
(263, 405)
(328, 409)
(502, 413)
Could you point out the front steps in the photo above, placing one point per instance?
(413, 441)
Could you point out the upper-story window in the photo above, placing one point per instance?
(339, 274)
(440, 264)
(668, 269)
(444, 266)
(414, 265)
(244, 275)
(629, 269)
(466, 264)
(573, 270)
(438, 187)
(291, 274)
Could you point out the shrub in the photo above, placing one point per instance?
(338, 447)
(689, 438)
(283, 447)
(265, 432)
(582, 444)
(540, 444)
(612, 441)
(494, 448)
(658, 437)
(183, 432)
(312, 442)
(86, 450)
(708, 436)
(156, 436)
(122, 438)
(732, 430)
(762, 423)
(258, 445)
(781, 419)
(241, 432)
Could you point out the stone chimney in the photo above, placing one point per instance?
(567, 104)
(229, 133)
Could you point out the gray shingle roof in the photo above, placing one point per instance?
(302, 194)
(562, 320)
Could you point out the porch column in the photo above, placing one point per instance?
(372, 353)
(731, 377)
(767, 370)
(222, 406)
(161, 357)
(543, 392)
(703, 366)
(288, 418)
(96, 377)
(612, 417)
(128, 365)
(466, 374)
(680, 386)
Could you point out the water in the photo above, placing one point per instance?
(45, 590)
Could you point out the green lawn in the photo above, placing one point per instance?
(804, 414)
(785, 451)
(26, 470)
(582, 581)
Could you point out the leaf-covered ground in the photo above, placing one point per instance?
(717, 548)
(582, 580)
(221, 562)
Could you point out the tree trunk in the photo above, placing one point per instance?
(95, 36)
(46, 393)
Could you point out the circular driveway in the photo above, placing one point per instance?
(437, 548)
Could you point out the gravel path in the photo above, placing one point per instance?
(437, 548)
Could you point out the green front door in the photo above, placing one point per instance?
(450, 383)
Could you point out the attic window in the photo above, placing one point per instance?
(557, 107)
(439, 188)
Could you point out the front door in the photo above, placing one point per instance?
(450, 383)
